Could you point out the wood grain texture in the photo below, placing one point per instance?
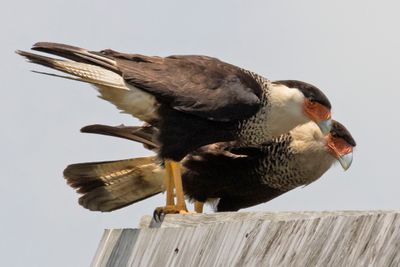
(258, 239)
(200, 219)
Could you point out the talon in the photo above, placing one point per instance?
(158, 213)
(172, 179)
(162, 211)
(185, 212)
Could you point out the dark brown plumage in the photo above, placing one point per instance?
(192, 100)
(241, 177)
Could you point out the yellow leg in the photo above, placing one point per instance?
(169, 184)
(180, 197)
(198, 206)
(172, 178)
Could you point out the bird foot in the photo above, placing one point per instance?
(160, 212)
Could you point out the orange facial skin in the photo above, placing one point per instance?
(316, 111)
(337, 146)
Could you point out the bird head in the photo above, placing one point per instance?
(314, 105)
(340, 144)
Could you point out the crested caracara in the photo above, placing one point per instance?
(192, 100)
(238, 177)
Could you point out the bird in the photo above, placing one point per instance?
(237, 177)
(192, 100)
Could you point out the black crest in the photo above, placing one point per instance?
(309, 91)
(338, 130)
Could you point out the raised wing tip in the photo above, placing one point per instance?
(91, 128)
(32, 57)
(22, 53)
(40, 46)
(46, 44)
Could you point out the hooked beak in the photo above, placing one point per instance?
(346, 160)
(341, 150)
(325, 126)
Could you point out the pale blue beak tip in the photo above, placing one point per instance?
(325, 126)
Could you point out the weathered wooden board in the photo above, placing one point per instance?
(199, 219)
(332, 239)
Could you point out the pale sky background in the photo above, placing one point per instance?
(350, 49)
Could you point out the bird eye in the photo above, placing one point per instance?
(312, 103)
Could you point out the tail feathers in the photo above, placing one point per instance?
(111, 185)
(99, 69)
(81, 71)
(77, 54)
(146, 135)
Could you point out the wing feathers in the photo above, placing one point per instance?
(76, 54)
(110, 84)
(86, 72)
(146, 135)
(198, 85)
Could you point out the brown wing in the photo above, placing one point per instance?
(199, 85)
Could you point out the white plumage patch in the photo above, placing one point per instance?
(310, 150)
(90, 73)
(113, 88)
(131, 101)
(287, 109)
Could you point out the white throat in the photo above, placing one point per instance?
(308, 137)
(310, 145)
(286, 110)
